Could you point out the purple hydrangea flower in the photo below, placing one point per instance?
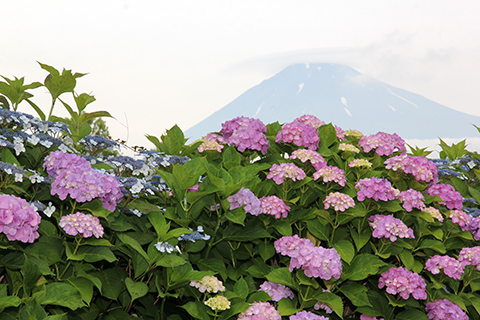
(461, 218)
(420, 167)
(470, 256)
(400, 280)
(383, 143)
(274, 206)
(57, 161)
(375, 188)
(314, 157)
(18, 219)
(310, 120)
(474, 228)
(314, 261)
(364, 317)
(331, 173)
(451, 198)
(389, 227)
(260, 311)
(306, 315)
(245, 197)
(80, 223)
(209, 284)
(245, 133)
(412, 199)
(339, 201)
(211, 141)
(445, 310)
(434, 213)
(300, 134)
(450, 266)
(285, 170)
(276, 291)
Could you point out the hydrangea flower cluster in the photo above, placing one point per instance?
(375, 188)
(274, 206)
(315, 158)
(310, 120)
(218, 303)
(434, 213)
(470, 256)
(353, 133)
(86, 225)
(209, 284)
(383, 143)
(211, 141)
(451, 198)
(461, 218)
(321, 305)
(339, 201)
(260, 311)
(421, 168)
(97, 142)
(194, 236)
(445, 310)
(246, 133)
(73, 176)
(450, 266)
(166, 247)
(389, 227)
(360, 163)
(278, 172)
(364, 317)
(306, 315)
(13, 170)
(314, 261)
(412, 199)
(348, 147)
(300, 134)
(331, 173)
(474, 228)
(245, 197)
(125, 163)
(18, 219)
(400, 280)
(276, 291)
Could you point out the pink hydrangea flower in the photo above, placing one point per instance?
(451, 198)
(375, 188)
(310, 120)
(278, 172)
(434, 213)
(276, 291)
(360, 163)
(364, 317)
(314, 261)
(80, 223)
(260, 311)
(314, 157)
(389, 227)
(339, 201)
(245, 197)
(211, 141)
(300, 134)
(412, 199)
(208, 284)
(383, 143)
(274, 206)
(421, 168)
(306, 315)
(470, 256)
(58, 161)
(331, 173)
(450, 266)
(445, 310)
(18, 219)
(461, 218)
(340, 133)
(474, 228)
(245, 133)
(400, 280)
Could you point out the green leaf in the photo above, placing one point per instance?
(237, 215)
(112, 281)
(159, 224)
(356, 293)
(286, 307)
(327, 135)
(250, 232)
(345, 249)
(197, 310)
(362, 266)
(407, 259)
(361, 239)
(241, 288)
(432, 244)
(266, 250)
(171, 260)
(94, 254)
(475, 193)
(132, 243)
(62, 294)
(9, 301)
(282, 276)
(412, 314)
(84, 286)
(136, 289)
(319, 230)
(332, 300)
(31, 274)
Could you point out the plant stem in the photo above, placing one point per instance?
(78, 240)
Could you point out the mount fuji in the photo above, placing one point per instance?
(341, 95)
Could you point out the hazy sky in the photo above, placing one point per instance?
(154, 63)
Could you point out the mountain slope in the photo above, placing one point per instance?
(339, 94)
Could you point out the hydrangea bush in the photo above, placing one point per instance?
(296, 221)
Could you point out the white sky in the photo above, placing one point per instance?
(154, 63)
